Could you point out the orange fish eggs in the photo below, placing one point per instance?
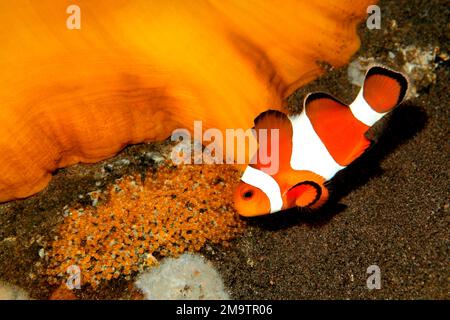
(174, 210)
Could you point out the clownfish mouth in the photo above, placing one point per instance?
(305, 193)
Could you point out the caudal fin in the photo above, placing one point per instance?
(384, 89)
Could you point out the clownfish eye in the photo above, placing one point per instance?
(247, 195)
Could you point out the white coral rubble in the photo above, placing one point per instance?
(188, 277)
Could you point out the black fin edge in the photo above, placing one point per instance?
(397, 76)
(320, 95)
(269, 112)
(315, 186)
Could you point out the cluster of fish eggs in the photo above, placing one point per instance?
(176, 209)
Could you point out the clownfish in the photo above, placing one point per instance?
(314, 145)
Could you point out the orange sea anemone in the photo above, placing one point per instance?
(136, 70)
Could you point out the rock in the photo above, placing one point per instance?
(189, 276)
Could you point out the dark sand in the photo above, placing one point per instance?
(390, 208)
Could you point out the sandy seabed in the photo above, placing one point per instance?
(390, 208)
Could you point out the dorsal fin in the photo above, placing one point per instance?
(341, 133)
(273, 119)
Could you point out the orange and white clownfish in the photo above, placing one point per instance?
(315, 144)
